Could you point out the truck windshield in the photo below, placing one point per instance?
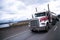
(39, 14)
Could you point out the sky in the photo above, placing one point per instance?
(23, 9)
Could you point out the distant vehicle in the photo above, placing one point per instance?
(42, 20)
(4, 25)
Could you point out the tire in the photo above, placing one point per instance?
(54, 22)
(57, 19)
(47, 27)
(32, 30)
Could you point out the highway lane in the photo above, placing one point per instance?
(52, 34)
(7, 32)
(57, 32)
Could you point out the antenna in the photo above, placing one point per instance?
(48, 8)
(49, 14)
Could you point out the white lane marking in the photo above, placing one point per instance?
(55, 28)
(15, 35)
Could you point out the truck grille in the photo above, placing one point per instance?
(34, 23)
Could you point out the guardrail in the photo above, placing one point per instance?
(21, 23)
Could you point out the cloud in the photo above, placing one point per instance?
(30, 2)
(23, 9)
(11, 7)
(54, 6)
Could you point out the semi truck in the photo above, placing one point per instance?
(42, 20)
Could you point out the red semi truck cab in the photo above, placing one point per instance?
(40, 21)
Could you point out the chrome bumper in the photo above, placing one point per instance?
(38, 28)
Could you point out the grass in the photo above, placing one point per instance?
(20, 24)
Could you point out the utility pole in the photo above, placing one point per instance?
(32, 16)
(49, 14)
(48, 8)
(36, 9)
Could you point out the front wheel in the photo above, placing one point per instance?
(32, 30)
(47, 27)
(54, 22)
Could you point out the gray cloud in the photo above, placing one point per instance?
(20, 8)
(29, 2)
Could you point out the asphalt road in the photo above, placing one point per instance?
(23, 33)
